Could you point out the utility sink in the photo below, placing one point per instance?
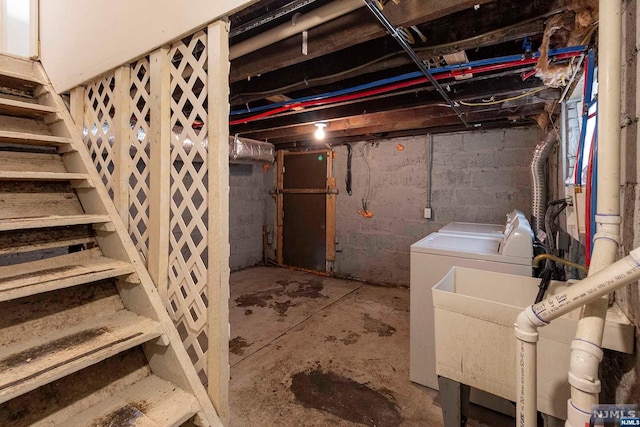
(475, 344)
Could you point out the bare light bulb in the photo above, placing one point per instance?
(320, 133)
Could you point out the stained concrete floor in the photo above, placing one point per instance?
(308, 350)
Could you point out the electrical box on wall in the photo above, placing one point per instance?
(428, 213)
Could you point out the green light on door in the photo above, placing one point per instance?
(320, 158)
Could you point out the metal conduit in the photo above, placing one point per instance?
(412, 54)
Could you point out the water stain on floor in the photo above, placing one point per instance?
(344, 398)
(306, 289)
(290, 289)
(237, 345)
(352, 338)
(372, 325)
(256, 299)
(282, 307)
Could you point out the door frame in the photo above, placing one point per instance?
(331, 193)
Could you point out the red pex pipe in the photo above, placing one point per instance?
(395, 86)
(588, 207)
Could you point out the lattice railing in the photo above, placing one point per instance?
(186, 291)
(188, 258)
(146, 128)
(99, 113)
(140, 156)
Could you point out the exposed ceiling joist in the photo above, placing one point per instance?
(341, 33)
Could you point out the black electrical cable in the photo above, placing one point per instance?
(348, 179)
(553, 211)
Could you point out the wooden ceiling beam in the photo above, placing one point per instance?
(340, 33)
(499, 88)
(395, 61)
(394, 121)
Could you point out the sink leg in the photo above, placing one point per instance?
(455, 402)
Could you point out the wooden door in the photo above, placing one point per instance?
(306, 210)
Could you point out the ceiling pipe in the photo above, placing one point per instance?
(309, 20)
(371, 4)
(265, 19)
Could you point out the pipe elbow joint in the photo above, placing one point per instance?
(608, 228)
(583, 366)
(526, 326)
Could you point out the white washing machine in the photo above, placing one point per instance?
(432, 257)
(479, 229)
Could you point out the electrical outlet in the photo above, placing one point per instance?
(428, 213)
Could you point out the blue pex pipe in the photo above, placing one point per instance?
(408, 76)
(588, 101)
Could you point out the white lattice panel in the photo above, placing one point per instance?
(139, 150)
(188, 261)
(98, 135)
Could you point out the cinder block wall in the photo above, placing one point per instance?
(476, 177)
(249, 208)
(620, 374)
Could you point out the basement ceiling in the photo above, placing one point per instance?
(351, 74)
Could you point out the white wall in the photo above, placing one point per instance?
(82, 39)
(15, 30)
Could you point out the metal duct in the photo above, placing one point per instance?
(539, 181)
(245, 150)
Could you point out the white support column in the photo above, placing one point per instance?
(218, 272)
(160, 169)
(121, 145)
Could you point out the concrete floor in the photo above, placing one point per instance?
(309, 350)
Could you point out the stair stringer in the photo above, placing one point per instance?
(167, 356)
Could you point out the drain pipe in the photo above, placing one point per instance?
(604, 277)
(539, 182)
(302, 23)
(595, 286)
(583, 374)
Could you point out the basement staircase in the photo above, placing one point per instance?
(84, 337)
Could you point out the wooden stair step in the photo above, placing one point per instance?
(51, 221)
(37, 239)
(13, 107)
(149, 402)
(29, 365)
(19, 161)
(79, 268)
(11, 137)
(44, 176)
(18, 74)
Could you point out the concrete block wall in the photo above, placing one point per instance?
(620, 374)
(250, 208)
(476, 177)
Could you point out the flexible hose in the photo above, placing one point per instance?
(539, 183)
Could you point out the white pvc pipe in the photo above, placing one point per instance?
(592, 288)
(585, 352)
(309, 20)
(527, 372)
